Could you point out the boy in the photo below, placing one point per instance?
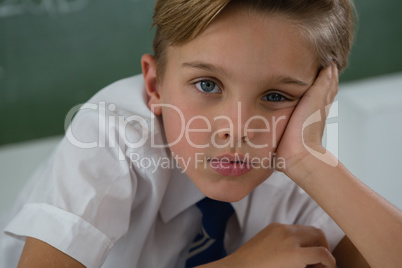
(234, 85)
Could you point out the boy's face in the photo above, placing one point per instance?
(228, 95)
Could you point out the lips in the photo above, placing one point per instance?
(230, 165)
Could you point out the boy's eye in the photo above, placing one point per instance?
(274, 97)
(208, 86)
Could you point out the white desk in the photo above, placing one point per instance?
(17, 162)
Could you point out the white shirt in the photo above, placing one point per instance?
(101, 206)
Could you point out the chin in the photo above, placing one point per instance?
(226, 193)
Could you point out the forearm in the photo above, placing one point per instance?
(37, 253)
(373, 225)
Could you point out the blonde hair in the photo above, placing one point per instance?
(327, 24)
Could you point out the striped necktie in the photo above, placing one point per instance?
(208, 244)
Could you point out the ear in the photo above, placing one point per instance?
(148, 65)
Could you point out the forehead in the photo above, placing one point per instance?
(251, 45)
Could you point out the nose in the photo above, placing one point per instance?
(236, 123)
(225, 134)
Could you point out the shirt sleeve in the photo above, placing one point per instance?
(82, 198)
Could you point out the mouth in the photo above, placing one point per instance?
(230, 165)
(230, 158)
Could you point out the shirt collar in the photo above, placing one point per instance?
(181, 193)
(240, 208)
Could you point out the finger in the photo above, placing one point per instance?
(322, 82)
(317, 256)
(322, 93)
(309, 236)
(333, 89)
(325, 86)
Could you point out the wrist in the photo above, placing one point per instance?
(311, 164)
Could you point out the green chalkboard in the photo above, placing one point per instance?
(378, 45)
(55, 54)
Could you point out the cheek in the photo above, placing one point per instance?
(278, 123)
(198, 131)
(174, 126)
(186, 132)
(281, 122)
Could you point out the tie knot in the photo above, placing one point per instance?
(215, 215)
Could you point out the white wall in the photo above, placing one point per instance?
(370, 133)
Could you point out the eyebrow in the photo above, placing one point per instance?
(204, 66)
(290, 80)
(282, 79)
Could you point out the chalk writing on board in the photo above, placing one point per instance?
(9, 8)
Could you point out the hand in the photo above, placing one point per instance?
(280, 245)
(299, 136)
